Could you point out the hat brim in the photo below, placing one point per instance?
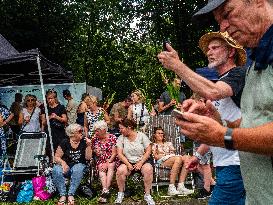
(208, 37)
(205, 15)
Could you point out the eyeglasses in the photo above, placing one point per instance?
(80, 131)
(30, 100)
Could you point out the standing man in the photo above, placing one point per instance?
(223, 54)
(71, 107)
(250, 22)
(167, 103)
(118, 113)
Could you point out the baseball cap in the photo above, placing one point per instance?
(204, 15)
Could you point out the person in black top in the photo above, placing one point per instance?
(70, 159)
(57, 118)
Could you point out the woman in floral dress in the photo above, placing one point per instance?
(93, 115)
(104, 147)
(5, 117)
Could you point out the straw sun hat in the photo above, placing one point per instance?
(208, 37)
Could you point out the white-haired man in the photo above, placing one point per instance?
(250, 23)
(223, 54)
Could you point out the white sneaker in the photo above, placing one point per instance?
(119, 198)
(184, 191)
(149, 199)
(172, 190)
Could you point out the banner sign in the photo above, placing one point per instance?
(7, 94)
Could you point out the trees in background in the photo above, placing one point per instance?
(107, 43)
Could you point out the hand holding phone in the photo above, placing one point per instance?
(177, 114)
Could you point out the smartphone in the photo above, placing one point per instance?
(177, 114)
(164, 44)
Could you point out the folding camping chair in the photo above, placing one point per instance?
(29, 153)
(172, 134)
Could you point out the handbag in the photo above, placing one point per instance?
(26, 193)
(39, 187)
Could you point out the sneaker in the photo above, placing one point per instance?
(203, 194)
(184, 191)
(149, 199)
(119, 198)
(172, 190)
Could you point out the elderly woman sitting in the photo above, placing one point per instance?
(70, 159)
(134, 150)
(104, 147)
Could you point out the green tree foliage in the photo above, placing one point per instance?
(106, 42)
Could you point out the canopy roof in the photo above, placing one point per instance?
(21, 68)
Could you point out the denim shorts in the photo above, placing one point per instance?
(229, 188)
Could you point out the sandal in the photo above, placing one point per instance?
(102, 200)
(71, 200)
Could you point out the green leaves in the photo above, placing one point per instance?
(105, 42)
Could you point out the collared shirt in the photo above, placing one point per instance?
(263, 54)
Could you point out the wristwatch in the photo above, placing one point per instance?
(198, 155)
(228, 139)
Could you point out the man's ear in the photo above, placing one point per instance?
(232, 52)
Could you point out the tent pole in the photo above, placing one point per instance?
(45, 104)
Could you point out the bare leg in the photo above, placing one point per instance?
(121, 174)
(184, 171)
(147, 172)
(103, 179)
(175, 163)
(206, 171)
(110, 174)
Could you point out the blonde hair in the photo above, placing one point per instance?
(140, 95)
(93, 99)
(71, 129)
(27, 97)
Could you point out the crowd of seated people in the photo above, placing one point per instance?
(121, 151)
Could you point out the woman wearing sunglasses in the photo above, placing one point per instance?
(32, 119)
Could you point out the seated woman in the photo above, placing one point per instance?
(134, 150)
(164, 153)
(104, 147)
(70, 159)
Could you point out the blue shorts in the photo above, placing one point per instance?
(229, 188)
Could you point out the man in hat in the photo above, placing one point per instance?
(250, 22)
(223, 54)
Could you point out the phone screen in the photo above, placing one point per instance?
(164, 45)
(177, 114)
